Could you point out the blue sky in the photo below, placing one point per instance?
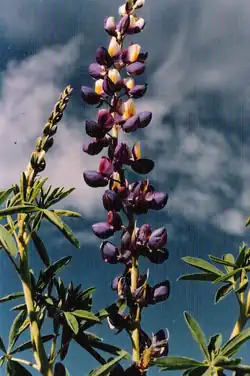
(199, 93)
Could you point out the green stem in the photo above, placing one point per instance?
(136, 331)
(26, 362)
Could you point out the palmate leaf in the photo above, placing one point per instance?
(16, 369)
(56, 220)
(41, 249)
(72, 322)
(173, 363)
(4, 195)
(197, 333)
(51, 271)
(28, 345)
(7, 241)
(233, 345)
(85, 315)
(53, 197)
(198, 277)
(14, 295)
(15, 329)
(107, 368)
(222, 292)
(202, 264)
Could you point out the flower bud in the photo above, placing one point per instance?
(110, 26)
(96, 71)
(136, 68)
(114, 47)
(109, 252)
(105, 119)
(143, 234)
(160, 292)
(103, 57)
(114, 220)
(122, 154)
(157, 200)
(138, 91)
(114, 75)
(94, 179)
(133, 52)
(145, 118)
(105, 166)
(123, 24)
(129, 82)
(131, 124)
(108, 86)
(99, 87)
(103, 230)
(111, 200)
(92, 148)
(94, 129)
(89, 95)
(158, 238)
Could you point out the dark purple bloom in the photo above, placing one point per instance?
(125, 256)
(109, 252)
(126, 240)
(114, 220)
(160, 292)
(106, 166)
(160, 343)
(157, 200)
(108, 86)
(133, 371)
(92, 148)
(94, 179)
(111, 200)
(97, 71)
(105, 120)
(131, 124)
(94, 129)
(142, 166)
(143, 235)
(103, 230)
(157, 256)
(145, 118)
(89, 95)
(103, 57)
(138, 91)
(122, 155)
(158, 238)
(136, 68)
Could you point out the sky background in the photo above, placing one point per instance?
(198, 71)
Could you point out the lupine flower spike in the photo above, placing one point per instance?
(114, 73)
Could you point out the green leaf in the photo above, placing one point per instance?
(4, 195)
(16, 369)
(67, 213)
(247, 222)
(8, 242)
(86, 315)
(222, 292)
(41, 249)
(68, 234)
(36, 188)
(2, 360)
(14, 295)
(230, 259)
(214, 343)
(197, 333)
(57, 195)
(72, 322)
(52, 270)
(243, 282)
(199, 371)
(86, 293)
(242, 255)
(28, 345)
(27, 208)
(198, 277)
(2, 347)
(221, 261)
(202, 264)
(15, 328)
(107, 368)
(233, 345)
(53, 218)
(176, 363)
(227, 277)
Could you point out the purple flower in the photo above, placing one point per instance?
(110, 26)
(160, 292)
(157, 200)
(138, 91)
(160, 343)
(103, 57)
(89, 95)
(145, 118)
(158, 238)
(114, 284)
(109, 252)
(108, 86)
(123, 288)
(122, 155)
(114, 220)
(97, 71)
(136, 68)
(92, 148)
(142, 166)
(157, 256)
(123, 24)
(143, 235)
(111, 200)
(103, 230)
(94, 179)
(131, 124)
(106, 167)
